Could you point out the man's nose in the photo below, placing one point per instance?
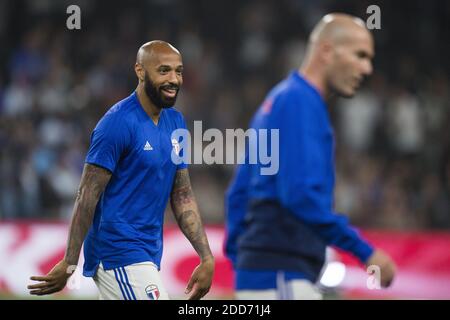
(174, 79)
(367, 68)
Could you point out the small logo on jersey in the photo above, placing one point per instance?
(152, 292)
(148, 146)
(266, 107)
(176, 146)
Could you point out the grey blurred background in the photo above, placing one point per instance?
(393, 138)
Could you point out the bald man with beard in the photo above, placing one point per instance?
(126, 183)
(278, 226)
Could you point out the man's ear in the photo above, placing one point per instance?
(326, 51)
(140, 72)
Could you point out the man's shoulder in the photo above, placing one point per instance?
(174, 115)
(118, 115)
(285, 89)
(124, 106)
(174, 112)
(294, 91)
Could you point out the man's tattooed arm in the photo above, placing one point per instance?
(187, 215)
(93, 182)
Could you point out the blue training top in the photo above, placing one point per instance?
(128, 221)
(285, 221)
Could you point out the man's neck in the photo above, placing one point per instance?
(315, 78)
(153, 111)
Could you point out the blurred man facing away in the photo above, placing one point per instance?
(278, 226)
(127, 180)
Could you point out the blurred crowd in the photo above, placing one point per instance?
(393, 137)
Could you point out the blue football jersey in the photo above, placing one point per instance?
(129, 216)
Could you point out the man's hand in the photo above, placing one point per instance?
(201, 279)
(54, 281)
(387, 267)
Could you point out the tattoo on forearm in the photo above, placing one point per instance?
(190, 223)
(183, 195)
(182, 191)
(92, 185)
(187, 215)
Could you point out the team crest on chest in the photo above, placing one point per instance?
(176, 146)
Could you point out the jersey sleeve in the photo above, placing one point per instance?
(109, 141)
(181, 124)
(300, 183)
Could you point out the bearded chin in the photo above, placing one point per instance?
(155, 96)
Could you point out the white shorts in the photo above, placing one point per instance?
(296, 289)
(139, 281)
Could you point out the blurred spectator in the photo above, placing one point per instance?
(406, 122)
(358, 120)
(393, 163)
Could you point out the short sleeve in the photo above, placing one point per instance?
(181, 124)
(108, 141)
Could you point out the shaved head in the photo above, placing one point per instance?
(337, 28)
(339, 54)
(153, 49)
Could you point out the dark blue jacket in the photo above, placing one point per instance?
(285, 221)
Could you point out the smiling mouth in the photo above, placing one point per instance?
(170, 92)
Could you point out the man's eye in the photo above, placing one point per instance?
(361, 55)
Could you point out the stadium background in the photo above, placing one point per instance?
(393, 138)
